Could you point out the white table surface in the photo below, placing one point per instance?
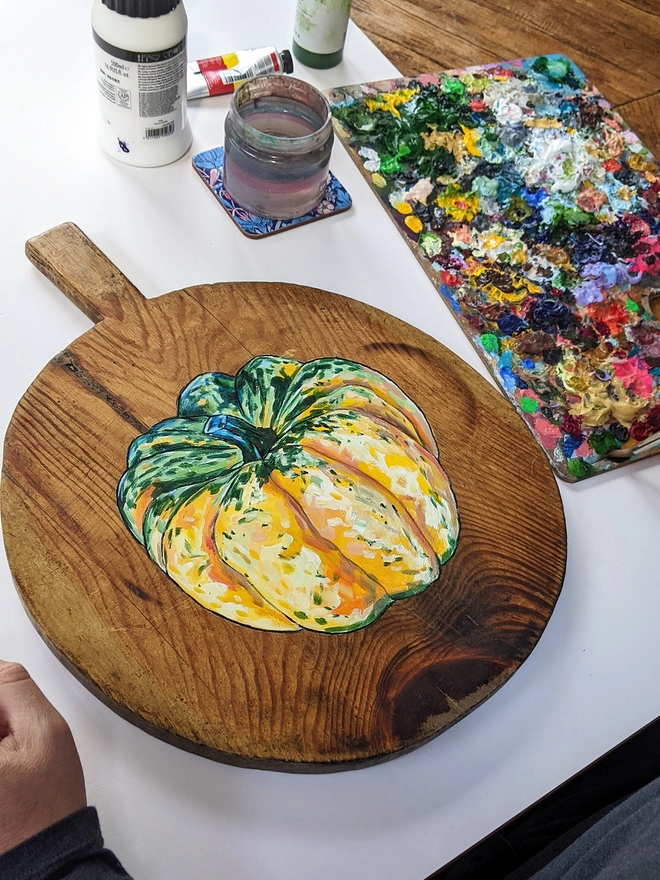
(590, 682)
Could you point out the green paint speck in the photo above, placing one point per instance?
(528, 404)
(578, 468)
(490, 342)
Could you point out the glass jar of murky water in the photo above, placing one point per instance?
(278, 140)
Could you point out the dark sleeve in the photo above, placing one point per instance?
(69, 850)
(623, 845)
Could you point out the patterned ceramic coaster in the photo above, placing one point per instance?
(209, 166)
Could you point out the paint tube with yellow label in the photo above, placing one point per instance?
(223, 74)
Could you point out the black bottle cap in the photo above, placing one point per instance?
(141, 8)
(287, 60)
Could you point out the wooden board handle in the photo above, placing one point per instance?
(83, 273)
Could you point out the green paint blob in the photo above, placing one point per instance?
(517, 210)
(579, 469)
(430, 243)
(603, 442)
(557, 69)
(528, 404)
(453, 87)
(389, 164)
(490, 342)
(631, 305)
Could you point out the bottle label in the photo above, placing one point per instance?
(142, 94)
(320, 25)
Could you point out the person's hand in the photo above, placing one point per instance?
(41, 778)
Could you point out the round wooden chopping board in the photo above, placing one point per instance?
(301, 701)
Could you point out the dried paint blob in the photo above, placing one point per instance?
(536, 212)
(293, 495)
(528, 404)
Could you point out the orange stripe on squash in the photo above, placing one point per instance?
(193, 562)
(297, 571)
(141, 505)
(363, 520)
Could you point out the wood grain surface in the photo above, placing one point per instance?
(301, 701)
(616, 44)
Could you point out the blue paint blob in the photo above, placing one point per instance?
(550, 315)
(534, 198)
(508, 380)
(445, 290)
(510, 323)
(570, 444)
(506, 360)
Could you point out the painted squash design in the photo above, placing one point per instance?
(292, 495)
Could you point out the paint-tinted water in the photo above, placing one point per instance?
(268, 174)
(280, 117)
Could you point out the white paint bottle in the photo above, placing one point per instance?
(140, 50)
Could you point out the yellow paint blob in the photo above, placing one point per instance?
(542, 122)
(470, 138)
(457, 204)
(493, 241)
(390, 101)
(450, 141)
(414, 223)
(638, 163)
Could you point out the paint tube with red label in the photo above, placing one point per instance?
(223, 74)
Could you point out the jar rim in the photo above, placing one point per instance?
(276, 85)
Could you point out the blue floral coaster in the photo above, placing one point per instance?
(209, 166)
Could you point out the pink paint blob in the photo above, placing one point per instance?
(634, 373)
(547, 433)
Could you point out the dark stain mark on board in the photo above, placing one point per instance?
(137, 591)
(66, 361)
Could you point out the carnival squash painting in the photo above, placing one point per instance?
(293, 495)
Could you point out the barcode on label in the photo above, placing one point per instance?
(162, 131)
(261, 65)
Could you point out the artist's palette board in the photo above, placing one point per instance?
(535, 211)
(297, 701)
